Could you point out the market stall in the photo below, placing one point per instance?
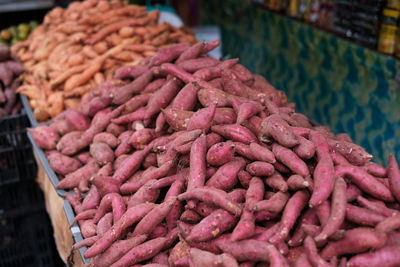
(152, 152)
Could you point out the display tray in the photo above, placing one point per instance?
(75, 229)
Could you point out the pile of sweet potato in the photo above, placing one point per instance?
(191, 161)
(78, 48)
(10, 69)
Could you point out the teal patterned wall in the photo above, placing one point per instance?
(333, 81)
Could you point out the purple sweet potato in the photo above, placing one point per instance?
(254, 193)
(297, 182)
(220, 153)
(141, 252)
(290, 214)
(101, 153)
(212, 226)
(355, 241)
(365, 182)
(141, 138)
(62, 164)
(72, 179)
(245, 227)
(262, 153)
(45, 137)
(274, 126)
(260, 168)
(107, 138)
(275, 204)
(387, 256)
(154, 217)
(226, 176)
(124, 93)
(312, 253)
(202, 118)
(290, 159)
(130, 217)
(394, 177)
(112, 201)
(214, 197)
(246, 250)
(276, 181)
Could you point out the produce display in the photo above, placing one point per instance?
(78, 48)
(10, 69)
(17, 33)
(186, 160)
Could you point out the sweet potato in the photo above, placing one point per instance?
(338, 211)
(226, 176)
(386, 256)
(202, 118)
(105, 184)
(124, 93)
(45, 137)
(290, 159)
(112, 201)
(144, 194)
(246, 250)
(72, 179)
(141, 252)
(101, 153)
(212, 226)
(355, 241)
(195, 64)
(130, 217)
(62, 164)
(312, 253)
(235, 133)
(245, 227)
(199, 257)
(262, 153)
(308, 217)
(305, 149)
(352, 152)
(208, 96)
(131, 164)
(161, 98)
(274, 126)
(104, 224)
(214, 197)
(394, 177)
(175, 212)
(296, 182)
(276, 181)
(107, 138)
(290, 214)
(254, 193)
(220, 153)
(168, 53)
(365, 181)
(275, 204)
(377, 207)
(260, 168)
(92, 199)
(192, 52)
(154, 217)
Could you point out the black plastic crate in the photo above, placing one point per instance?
(20, 199)
(16, 157)
(27, 241)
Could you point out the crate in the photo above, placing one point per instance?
(27, 241)
(26, 235)
(16, 157)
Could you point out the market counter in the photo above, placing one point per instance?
(54, 207)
